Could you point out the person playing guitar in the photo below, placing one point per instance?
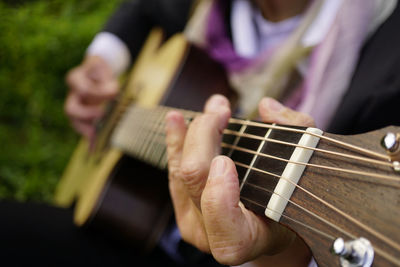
(309, 72)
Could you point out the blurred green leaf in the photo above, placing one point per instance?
(39, 42)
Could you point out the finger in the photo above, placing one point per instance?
(274, 112)
(235, 234)
(76, 110)
(97, 68)
(100, 92)
(187, 215)
(95, 92)
(84, 128)
(175, 135)
(89, 87)
(202, 144)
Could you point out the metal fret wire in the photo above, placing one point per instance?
(374, 175)
(284, 128)
(254, 158)
(256, 137)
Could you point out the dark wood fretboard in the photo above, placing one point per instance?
(141, 134)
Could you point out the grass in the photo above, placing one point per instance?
(39, 42)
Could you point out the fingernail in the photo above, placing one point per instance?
(218, 167)
(273, 105)
(215, 103)
(170, 120)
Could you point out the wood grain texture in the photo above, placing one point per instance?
(372, 202)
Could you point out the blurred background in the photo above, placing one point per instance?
(40, 41)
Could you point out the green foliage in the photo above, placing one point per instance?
(39, 42)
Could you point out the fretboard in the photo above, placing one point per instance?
(263, 153)
(141, 134)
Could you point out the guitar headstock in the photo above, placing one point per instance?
(347, 199)
(351, 194)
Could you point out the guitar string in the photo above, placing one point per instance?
(318, 231)
(277, 127)
(347, 216)
(370, 174)
(315, 196)
(386, 158)
(298, 186)
(284, 128)
(386, 177)
(272, 140)
(151, 127)
(332, 140)
(153, 135)
(302, 208)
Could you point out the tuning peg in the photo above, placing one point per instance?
(355, 253)
(390, 142)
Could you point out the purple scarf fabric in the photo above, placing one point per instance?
(219, 45)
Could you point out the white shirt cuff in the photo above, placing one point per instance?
(112, 49)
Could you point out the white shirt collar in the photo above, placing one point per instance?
(246, 19)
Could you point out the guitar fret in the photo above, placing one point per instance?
(147, 133)
(256, 186)
(140, 134)
(236, 139)
(154, 136)
(254, 159)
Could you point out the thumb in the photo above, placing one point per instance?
(274, 112)
(235, 234)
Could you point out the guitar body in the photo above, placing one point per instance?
(115, 192)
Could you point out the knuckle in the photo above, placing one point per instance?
(304, 120)
(193, 176)
(309, 121)
(172, 141)
(191, 171)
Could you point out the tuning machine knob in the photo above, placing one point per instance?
(391, 143)
(355, 253)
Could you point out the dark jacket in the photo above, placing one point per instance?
(372, 100)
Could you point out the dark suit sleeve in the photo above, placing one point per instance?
(133, 20)
(373, 98)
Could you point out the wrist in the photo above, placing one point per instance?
(112, 50)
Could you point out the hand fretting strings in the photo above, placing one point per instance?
(150, 125)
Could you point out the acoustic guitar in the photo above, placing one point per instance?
(341, 194)
(167, 72)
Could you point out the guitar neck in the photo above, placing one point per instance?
(141, 134)
(345, 180)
